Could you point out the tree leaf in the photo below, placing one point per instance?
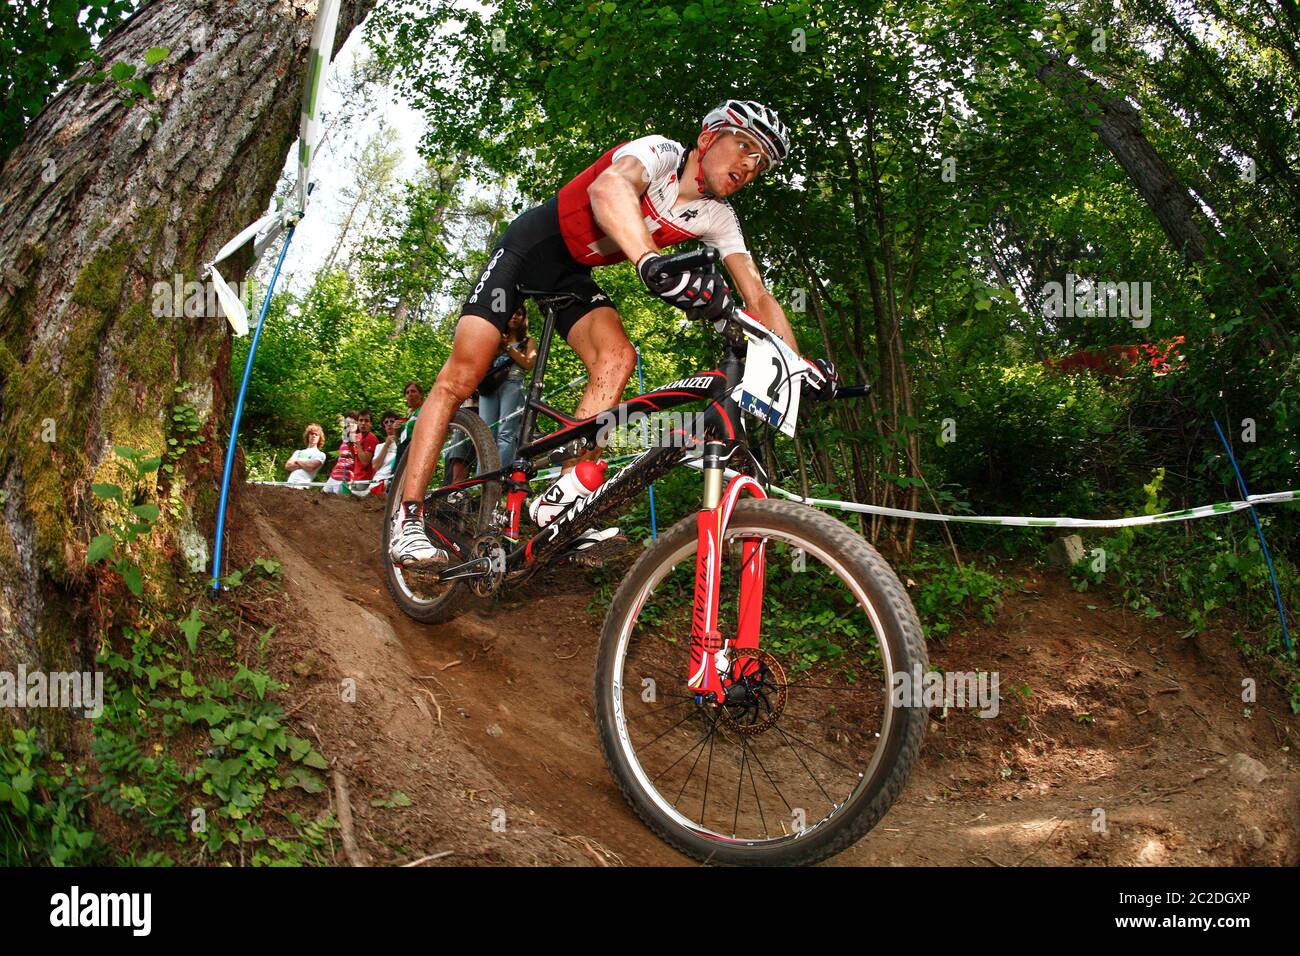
(155, 55)
(134, 580)
(303, 779)
(314, 759)
(190, 627)
(101, 547)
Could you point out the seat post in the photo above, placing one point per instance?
(539, 374)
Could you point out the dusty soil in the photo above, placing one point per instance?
(1118, 741)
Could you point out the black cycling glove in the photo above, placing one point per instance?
(830, 388)
(701, 293)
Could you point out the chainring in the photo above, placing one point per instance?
(488, 546)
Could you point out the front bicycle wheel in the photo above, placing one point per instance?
(453, 520)
(808, 752)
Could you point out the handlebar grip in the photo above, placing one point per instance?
(853, 391)
(688, 261)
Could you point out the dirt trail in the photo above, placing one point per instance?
(1105, 718)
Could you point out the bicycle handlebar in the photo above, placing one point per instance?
(708, 256)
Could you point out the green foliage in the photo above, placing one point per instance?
(42, 810)
(192, 744)
(135, 519)
(323, 355)
(186, 430)
(41, 45)
(1195, 573)
(949, 595)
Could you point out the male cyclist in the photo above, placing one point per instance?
(636, 199)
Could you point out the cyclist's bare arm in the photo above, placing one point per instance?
(757, 299)
(616, 202)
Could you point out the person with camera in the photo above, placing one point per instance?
(345, 468)
(501, 393)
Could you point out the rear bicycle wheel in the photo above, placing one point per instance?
(808, 753)
(452, 520)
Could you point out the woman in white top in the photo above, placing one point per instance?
(305, 463)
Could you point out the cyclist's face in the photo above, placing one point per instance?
(733, 160)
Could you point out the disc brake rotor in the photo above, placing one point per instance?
(756, 692)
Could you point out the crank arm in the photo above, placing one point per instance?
(479, 567)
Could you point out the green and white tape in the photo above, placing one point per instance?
(1027, 521)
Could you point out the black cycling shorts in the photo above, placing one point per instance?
(532, 254)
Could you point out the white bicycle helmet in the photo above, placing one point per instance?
(754, 118)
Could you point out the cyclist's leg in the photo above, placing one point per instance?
(601, 343)
(477, 340)
(472, 351)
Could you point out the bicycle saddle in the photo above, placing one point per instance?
(550, 299)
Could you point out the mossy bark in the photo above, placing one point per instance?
(103, 199)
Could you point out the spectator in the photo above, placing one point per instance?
(367, 441)
(414, 396)
(460, 453)
(345, 468)
(501, 394)
(304, 464)
(386, 454)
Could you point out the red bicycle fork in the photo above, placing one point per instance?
(711, 653)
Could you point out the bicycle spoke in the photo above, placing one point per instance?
(708, 771)
(818, 752)
(685, 753)
(670, 730)
(740, 788)
(758, 802)
(708, 736)
(768, 775)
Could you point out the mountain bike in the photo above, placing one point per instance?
(747, 668)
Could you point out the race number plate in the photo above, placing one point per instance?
(771, 386)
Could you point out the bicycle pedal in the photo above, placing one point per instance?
(423, 580)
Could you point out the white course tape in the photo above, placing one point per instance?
(1024, 521)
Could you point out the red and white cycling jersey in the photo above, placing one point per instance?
(711, 220)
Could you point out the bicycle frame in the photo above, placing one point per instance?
(708, 661)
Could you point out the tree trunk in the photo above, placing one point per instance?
(106, 205)
(1119, 126)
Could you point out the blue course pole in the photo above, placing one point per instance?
(239, 410)
(640, 385)
(1245, 496)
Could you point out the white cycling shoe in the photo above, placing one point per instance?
(411, 547)
(593, 537)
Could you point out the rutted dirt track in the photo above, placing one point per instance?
(1106, 720)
